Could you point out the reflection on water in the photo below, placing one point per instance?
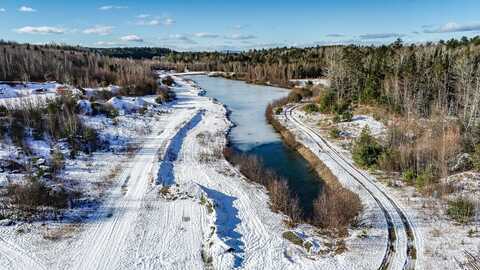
(254, 135)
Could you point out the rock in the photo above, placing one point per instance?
(84, 107)
(7, 222)
(40, 161)
(11, 165)
(462, 162)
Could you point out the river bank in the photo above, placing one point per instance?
(252, 134)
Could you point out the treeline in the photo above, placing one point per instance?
(420, 79)
(73, 65)
(277, 65)
(133, 52)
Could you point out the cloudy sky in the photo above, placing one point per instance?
(236, 25)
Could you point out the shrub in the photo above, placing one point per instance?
(310, 108)
(3, 111)
(281, 198)
(104, 108)
(425, 178)
(336, 208)
(168, 81)
(36, 193)
(17, 130)
(305, 92)
(326, 101)
(409, 176)
(461, 209)
(165, 96)
(476, 158)
(278, 110)
(343, 117)
(56, 119)
(388, 160)
(294, 97)
(58, 161)
(334, 133)
(139, 88)
(343, 111)
(293, 237)
(366, 149)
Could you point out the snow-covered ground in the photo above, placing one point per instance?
(314, 81)
(441, 241)
(174, 203)
(165, 198)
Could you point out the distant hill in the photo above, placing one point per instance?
(133, 52)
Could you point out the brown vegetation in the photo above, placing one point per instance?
(35, 195)
(281, 198)
(55, 118)
(422, 149)
(76, 66)
(336, 207)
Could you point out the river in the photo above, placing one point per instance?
(253, 135)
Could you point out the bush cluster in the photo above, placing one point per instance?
(281, 198)
(366, 150)
(329, 103)
(35, 193)
(56, 119)
(461, 209)
(311, 108)
(165, 96)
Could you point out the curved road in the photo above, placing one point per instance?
(404, 239)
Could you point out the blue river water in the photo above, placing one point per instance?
(253, 135)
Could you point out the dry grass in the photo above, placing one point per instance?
(114, 172)
(61, 232)
(422, 147)
(336, 208)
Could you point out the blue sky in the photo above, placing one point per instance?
(221, 25)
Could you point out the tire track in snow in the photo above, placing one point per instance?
(405, 258)
(103, 245)
(18, 258)
(259, 248)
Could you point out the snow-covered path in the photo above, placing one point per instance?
(103, 243)
(178, 204)
(145, 226)
(404, 240)
(17, 258)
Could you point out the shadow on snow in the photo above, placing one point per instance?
(227, 221)
(165, 172)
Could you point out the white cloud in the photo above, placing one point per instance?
(240, 37)
(143, 16)
(156, 21)
(239, 26)
(168, 21)
(149, 22)
(26, 9)
(179, 37)
(112, 7)
(452, 27)
(2, 10)
(381, 35)
(206, 35)
(42, 30)
(133, 38)
(107, 43)
(335, 35)
(99, 30)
